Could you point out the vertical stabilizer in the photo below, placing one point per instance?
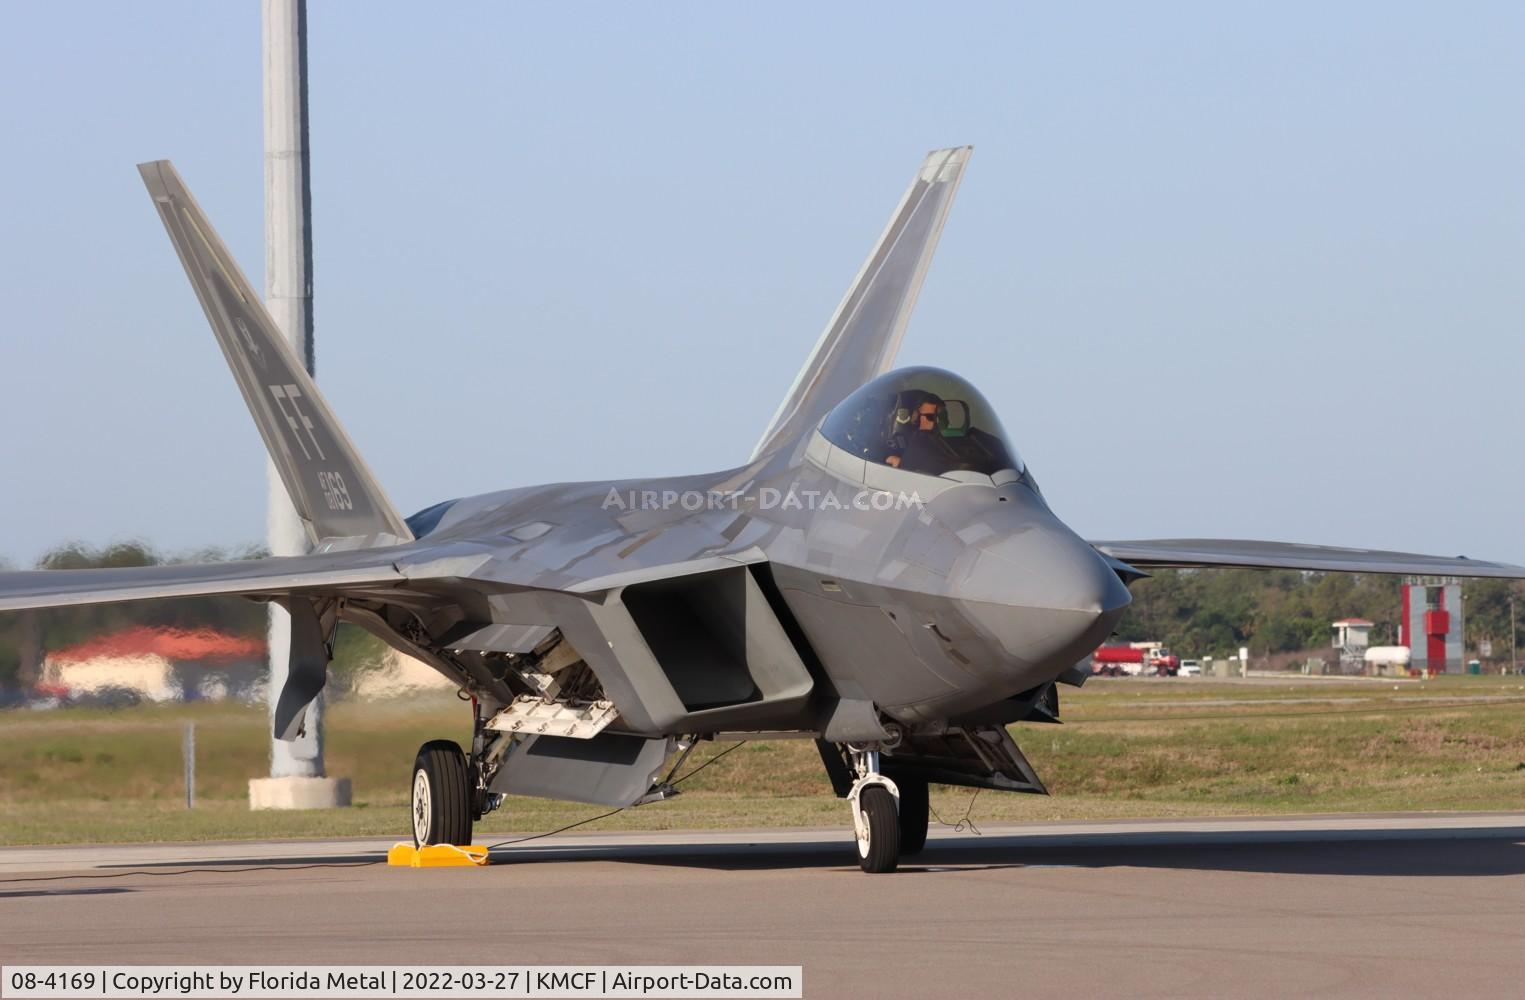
(864, 334)
(333, 491)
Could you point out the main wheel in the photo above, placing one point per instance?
(914, 809)
(441, 795)
(879, 838)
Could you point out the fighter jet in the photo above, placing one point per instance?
(882, 574)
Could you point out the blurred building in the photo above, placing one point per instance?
(1351, 637)
(156, 664)
(397, 675)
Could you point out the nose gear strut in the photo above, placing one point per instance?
(875, 801)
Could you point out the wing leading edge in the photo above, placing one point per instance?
(324, 574)
(1205, 553)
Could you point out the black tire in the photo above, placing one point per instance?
(880, 851)
(441, 795)
(915, 809)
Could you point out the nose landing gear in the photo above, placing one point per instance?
(885, 814)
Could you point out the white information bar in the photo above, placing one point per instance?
(388, 981)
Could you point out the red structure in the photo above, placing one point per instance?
(1431, 626)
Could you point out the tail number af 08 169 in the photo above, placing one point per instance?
(334, 492)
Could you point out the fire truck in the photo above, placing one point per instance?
(1134, 660)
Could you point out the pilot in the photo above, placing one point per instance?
(919, 420)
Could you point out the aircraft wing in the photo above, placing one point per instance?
(864, 334)
(332, 574)
(1192, 553)
(418, 570)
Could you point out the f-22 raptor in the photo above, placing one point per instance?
(882, 575)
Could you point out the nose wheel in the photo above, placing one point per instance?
(878, 830)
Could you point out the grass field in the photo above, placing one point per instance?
(1128, 748)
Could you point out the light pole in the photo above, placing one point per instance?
(288, 295)
(296, 766)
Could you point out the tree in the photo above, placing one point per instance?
(1214, 612)
(1485, 610)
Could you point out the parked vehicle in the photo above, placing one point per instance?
(1135, 659)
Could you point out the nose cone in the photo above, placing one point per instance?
(1042, 592)
(1043, 565)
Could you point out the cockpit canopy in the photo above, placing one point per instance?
(922, 420)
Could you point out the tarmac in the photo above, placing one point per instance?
(1410, 905)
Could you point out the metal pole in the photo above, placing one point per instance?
(188, 750)
(1514, 647)
(288, 294)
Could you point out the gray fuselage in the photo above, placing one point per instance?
(925, 596)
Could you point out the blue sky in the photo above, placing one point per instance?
(1248, 270)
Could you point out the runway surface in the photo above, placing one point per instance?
(1347, 905)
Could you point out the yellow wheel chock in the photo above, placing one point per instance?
(403, 855)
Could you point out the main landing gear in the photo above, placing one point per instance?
(442, 795)
(889, 817)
